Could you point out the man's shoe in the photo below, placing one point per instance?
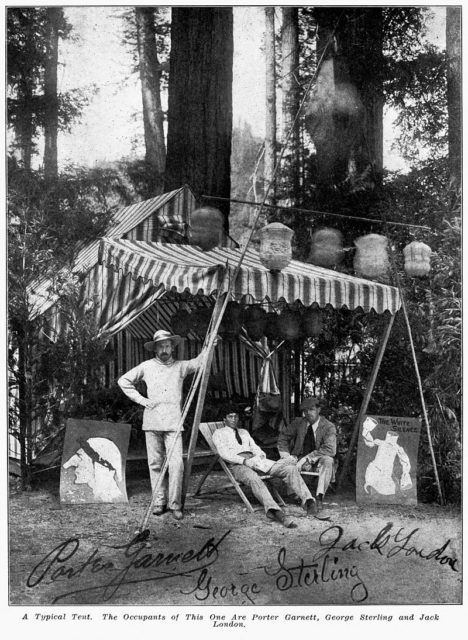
(178, 515)
(279, 516)
(322, 510)
(319, 502)
(159, 510)
(310, 507)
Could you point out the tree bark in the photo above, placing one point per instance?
(200, 102)
(453, 37)
(349, 135)
(24, 408)
(365, 41)
(290, 98)
(270, 105)
(54, 16)
(150, 77)
(25, 128)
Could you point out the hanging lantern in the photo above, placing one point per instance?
(275, 246)
(201, 320)
(327, 247)
(181, 322)
(254, 322)
(271, 329)
(206, 228)
(312, 322)
(371, 258)
(417, 259)
(289, 324)
(230, 325)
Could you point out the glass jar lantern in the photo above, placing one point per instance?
(371, 257)
(417, 259)
(275, 246)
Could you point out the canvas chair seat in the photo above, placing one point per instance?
(207, 429)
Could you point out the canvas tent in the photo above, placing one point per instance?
(137, 275)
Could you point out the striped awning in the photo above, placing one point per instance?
(168, 213)
(186, 268)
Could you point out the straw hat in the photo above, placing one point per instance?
(159, 336)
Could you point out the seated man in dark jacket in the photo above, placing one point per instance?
(308, 440)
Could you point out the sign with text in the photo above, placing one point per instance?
(387, 460)
(93, 462)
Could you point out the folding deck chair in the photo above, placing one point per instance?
(207, 429)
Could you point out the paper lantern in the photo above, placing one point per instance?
(181, 322)
(312, 322)
(206, 228)
(289, 324)
(230, 325)
(417, 259)
(371, 258)
(275, 246)
(201, 320)
(254, 322)
(271, 329)
(327, 247)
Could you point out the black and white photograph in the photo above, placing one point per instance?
(234, 317)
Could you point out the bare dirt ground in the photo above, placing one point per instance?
(222, 554)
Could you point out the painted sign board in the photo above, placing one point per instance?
(93, 462)
(387, 460)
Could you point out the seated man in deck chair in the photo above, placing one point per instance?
(310, 440)
(248, 462)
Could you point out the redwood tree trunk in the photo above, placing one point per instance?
(24, 408)
(24, 126)
(350, 138)
(362, 47)
(200, 102)
(54, 16)
(453, 36)
(290, 98)
(270, 104)
(150, 77)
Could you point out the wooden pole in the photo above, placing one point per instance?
(217, 315)
(423, 402)
(366, 398)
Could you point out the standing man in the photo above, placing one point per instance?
(309, 440)
(247, 461)
(164, 377)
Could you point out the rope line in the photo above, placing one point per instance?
(319, 213)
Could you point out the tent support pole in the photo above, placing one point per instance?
(366, 398)
(423, 402)
(200, 405)
(285, 364)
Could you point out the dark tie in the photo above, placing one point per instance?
(238, 438)
(309, 441)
